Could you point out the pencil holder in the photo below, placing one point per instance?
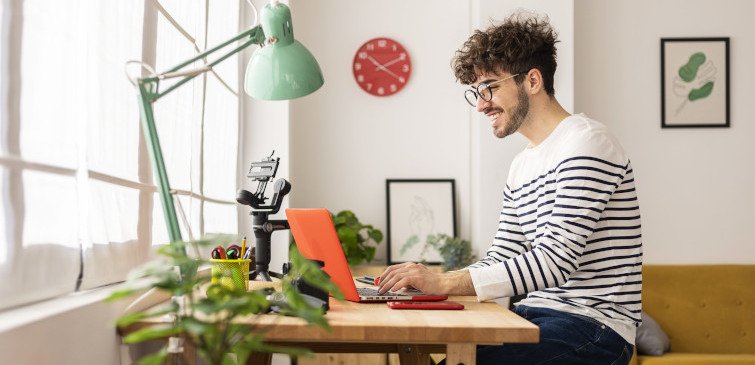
(231, 273)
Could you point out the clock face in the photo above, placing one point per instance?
(382, 67)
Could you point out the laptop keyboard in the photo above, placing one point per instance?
(371, 292)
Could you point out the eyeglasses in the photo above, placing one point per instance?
(483, 91)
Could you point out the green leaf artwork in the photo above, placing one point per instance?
(689, 70)
(695, 79)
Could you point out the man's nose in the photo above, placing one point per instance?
(482, 104)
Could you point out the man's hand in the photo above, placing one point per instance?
(418, 276)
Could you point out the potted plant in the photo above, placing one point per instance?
(358, 239)
(208, 320)
(456, 252)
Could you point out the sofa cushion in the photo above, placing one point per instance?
(651, 340)
(672, 358)
(702, 308)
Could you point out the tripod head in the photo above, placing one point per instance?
(263, 172)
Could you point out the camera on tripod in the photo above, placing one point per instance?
(263, 172)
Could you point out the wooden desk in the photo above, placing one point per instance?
(413, 334)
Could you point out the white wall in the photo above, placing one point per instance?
(78, 329)
(695, 185)
(346, 143)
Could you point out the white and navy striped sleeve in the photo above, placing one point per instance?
(560, 210)
(509, 240)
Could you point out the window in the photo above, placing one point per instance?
(79, 207)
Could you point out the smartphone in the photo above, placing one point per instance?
(444, 305)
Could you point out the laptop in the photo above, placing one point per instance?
(316, 239)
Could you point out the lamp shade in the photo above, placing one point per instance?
(283, 69)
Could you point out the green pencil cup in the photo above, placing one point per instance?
(231, 273)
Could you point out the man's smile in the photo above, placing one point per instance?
(493, 114)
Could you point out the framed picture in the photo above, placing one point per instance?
(694, 82)
(417, 208)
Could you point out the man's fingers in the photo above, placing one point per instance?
(386, 280)
(387, 283)
(393, 274)
(403, 283)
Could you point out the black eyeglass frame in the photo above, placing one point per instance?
(473, 93)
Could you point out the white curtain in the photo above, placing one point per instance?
(79, 207)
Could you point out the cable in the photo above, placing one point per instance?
(254, 8)
(143, 65)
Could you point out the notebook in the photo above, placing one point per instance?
(316, 239)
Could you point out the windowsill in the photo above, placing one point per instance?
(31, 313)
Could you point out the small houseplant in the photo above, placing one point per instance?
(208, 320)
(358, 239)
(456, 252)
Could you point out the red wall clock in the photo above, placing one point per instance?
(382, 67)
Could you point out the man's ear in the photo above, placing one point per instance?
(534, 81)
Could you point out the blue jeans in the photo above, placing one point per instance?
(564, 339)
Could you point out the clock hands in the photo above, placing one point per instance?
(381, 67)
(399, 58)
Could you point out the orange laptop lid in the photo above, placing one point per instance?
(317, 239)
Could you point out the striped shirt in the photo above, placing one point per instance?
(569, 231)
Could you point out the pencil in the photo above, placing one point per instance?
(243, 248)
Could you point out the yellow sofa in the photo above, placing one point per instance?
(707, 311)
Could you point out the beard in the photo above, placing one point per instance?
(518, 115)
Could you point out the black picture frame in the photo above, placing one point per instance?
(417, 207)
(695, 82)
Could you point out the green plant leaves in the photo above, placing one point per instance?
(209, 321)
(456, 252)
(348, 235)
(152, 333)
(155, 359)
(374, 234)
(158, 310)
(358, 240)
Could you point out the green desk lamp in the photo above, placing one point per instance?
(281, 69)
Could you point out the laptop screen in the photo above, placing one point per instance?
(316, 239)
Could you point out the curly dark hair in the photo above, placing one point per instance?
(522, 42)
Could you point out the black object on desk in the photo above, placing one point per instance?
(366, 279)
(262, 172)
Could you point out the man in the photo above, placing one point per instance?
(569, 231)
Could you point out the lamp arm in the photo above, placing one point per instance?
(148, 94)
(255, 35)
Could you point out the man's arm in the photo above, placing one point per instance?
(583, 186)
(509, 242)
(566, 217)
